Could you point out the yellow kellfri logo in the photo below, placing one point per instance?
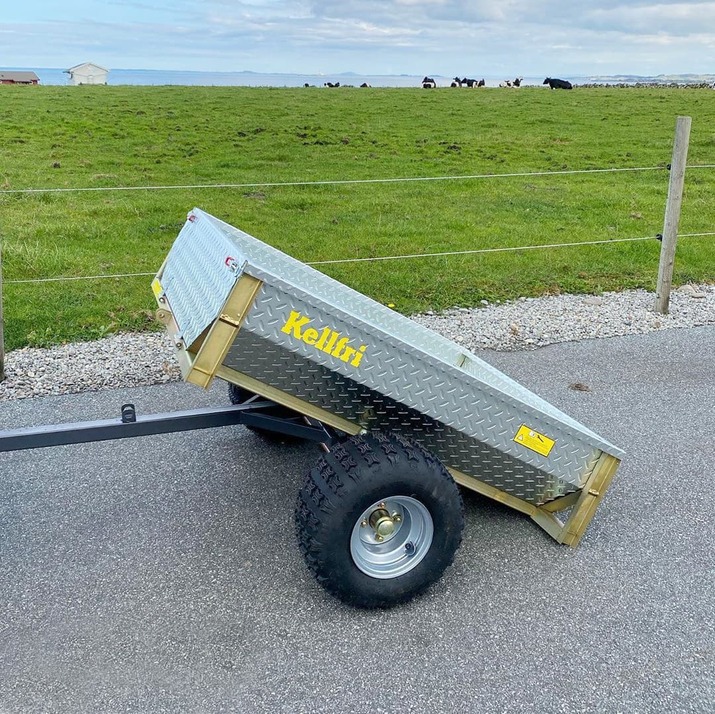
(325, 339)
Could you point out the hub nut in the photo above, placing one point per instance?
(382, 523)
(385, 527)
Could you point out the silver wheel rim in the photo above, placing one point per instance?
(399, 552)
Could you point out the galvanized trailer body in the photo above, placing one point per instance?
(243, 311)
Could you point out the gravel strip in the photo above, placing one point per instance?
(133, 360)
(528, 323)
(122, 360)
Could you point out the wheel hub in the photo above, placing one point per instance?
(382, 523)
(391, 537)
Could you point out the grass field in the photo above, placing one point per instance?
(78, 137)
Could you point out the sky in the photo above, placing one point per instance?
(493, 38)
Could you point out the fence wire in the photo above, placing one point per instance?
(335, 182)
(343, 261)
(343, 182)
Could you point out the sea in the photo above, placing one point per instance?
(53, 76)
(158, 77)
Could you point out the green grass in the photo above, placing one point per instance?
(68, 137)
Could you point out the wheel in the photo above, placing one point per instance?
(238, 395)
(378, 520)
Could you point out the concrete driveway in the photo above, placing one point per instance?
(161, 574)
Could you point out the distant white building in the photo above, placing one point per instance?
(87, 73)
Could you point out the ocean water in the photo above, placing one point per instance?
(53, 76)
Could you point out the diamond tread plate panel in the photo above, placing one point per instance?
(447, 394)
(197, 277)
(319, 340)
(350, 400)
(309, 285)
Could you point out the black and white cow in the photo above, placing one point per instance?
(456, 82)
(428, 83)
(558, 83)
(473, 83)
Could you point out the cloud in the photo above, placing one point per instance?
(663, 19)
(454, 24)
(494, 37)
(632, 16)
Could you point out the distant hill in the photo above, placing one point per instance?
(654, 79)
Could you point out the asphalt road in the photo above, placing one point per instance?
(161, 574)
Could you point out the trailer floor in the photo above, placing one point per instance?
(161, 574)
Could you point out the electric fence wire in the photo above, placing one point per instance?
(338, 182)
(521, 174)
(382, 258)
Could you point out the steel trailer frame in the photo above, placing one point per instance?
(131, 425)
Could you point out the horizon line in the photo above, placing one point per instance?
(360, 74)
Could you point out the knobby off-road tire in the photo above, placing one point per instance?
(365, 482)
(238, 395)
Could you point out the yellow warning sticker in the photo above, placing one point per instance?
(533, 440)
(156, 288)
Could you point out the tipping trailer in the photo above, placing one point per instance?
(404, 415)
(411, 413)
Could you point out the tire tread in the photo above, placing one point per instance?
(335, 480)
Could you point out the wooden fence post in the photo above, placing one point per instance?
(672, 214)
